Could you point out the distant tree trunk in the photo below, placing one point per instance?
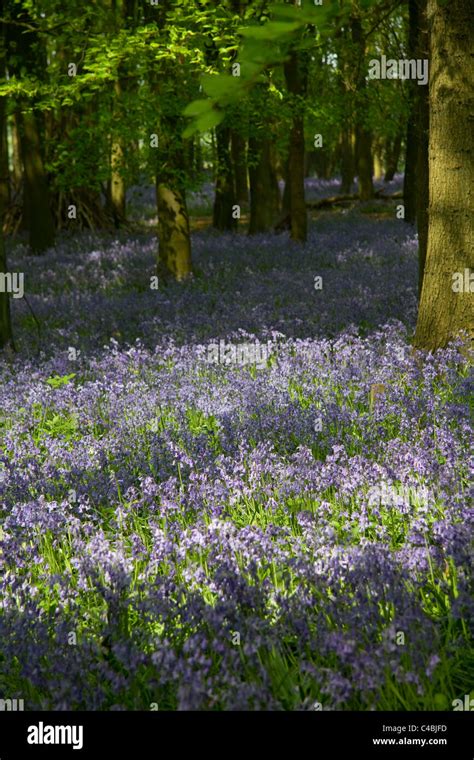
(4, 168)
(17, 175)
(6, 335)
(296, 83)
(174, 246)
(363, 133)
(446, 305)
(117, 182)
(378, 169)
(264, 190)
(422, 164)
(393, 157)
(347, 161)
(286, 201)
(174, 252)
(224, 196)
(40, 218)
(239, 162)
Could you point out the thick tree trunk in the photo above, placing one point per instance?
(296, 83)
(224, 196)
(239, 164)
(40, 218)
(446, 305)
(264, 190)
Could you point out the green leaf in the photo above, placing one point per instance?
(197, 107)
(271, 30)
(205, 122)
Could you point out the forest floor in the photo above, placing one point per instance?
(185, 529)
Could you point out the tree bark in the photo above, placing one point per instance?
(443, 312)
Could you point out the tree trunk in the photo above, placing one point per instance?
(422, 166)
(174, 252)
(40, 218)
(6, 335)
(28, 50)
(224, 195)
(264, 190)
(363, 134)
(347, 161)
(393, 157)
(117, 182)
(411, 152)
(446, 305)
(239, 162)
(296, 83)
(16, 153)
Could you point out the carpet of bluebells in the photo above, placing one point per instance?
(193, 535)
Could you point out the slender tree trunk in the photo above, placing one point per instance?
(4, 168)
(117, 182)
(393, 157)
(264, 190)
(446, 305)
(296, 83)
(363, 133)
(224, 196)
(411, 152)
(6, 335)
(422, 164)
(17, 175)
(378, 169)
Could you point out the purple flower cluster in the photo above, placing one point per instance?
(179, 532)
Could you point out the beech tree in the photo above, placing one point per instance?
(447, 295)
